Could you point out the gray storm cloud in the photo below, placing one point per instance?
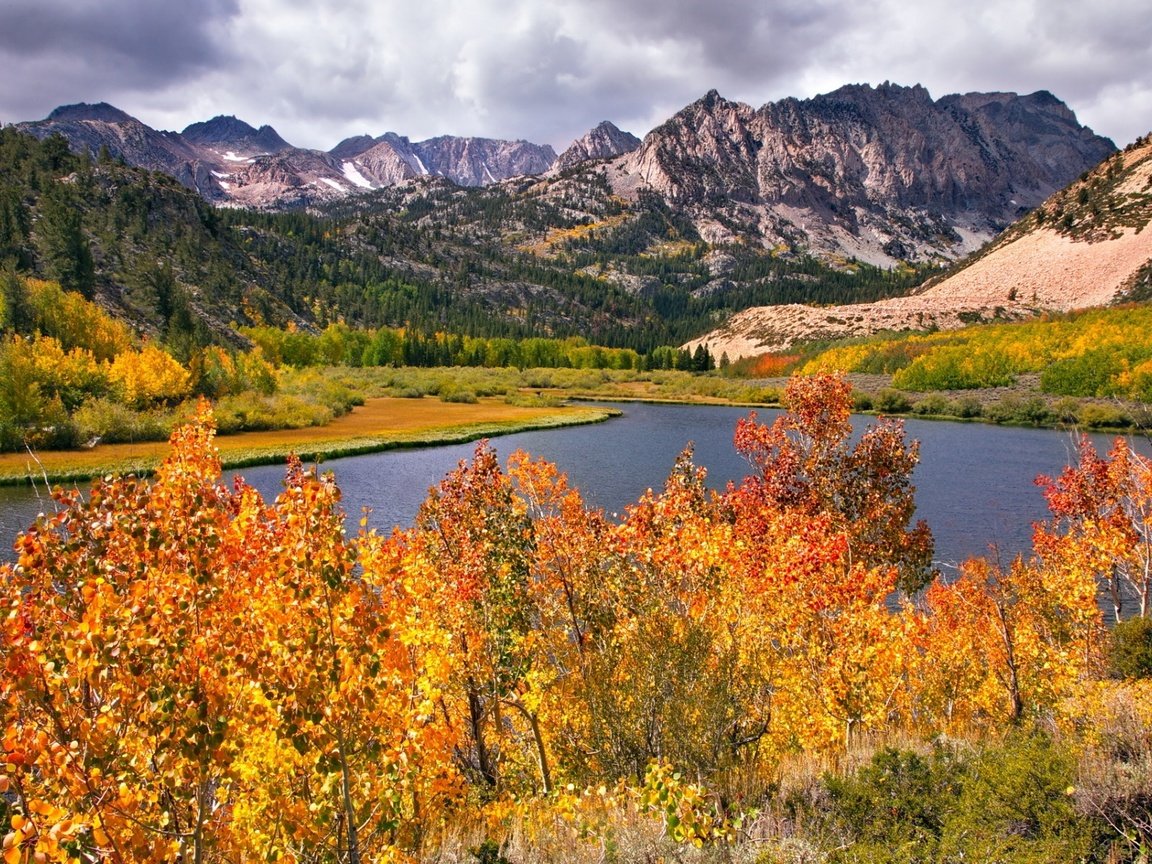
(56, 51)
(548, 71)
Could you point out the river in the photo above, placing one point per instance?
(975, 482)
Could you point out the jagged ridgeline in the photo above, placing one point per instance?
(522, 258)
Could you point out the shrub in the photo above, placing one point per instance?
(934, 405)
(1013, 409)
(1094, 416)
(966, 407)
(1131, 649)
(889, 401)
(1010, 802)
(250, 411)
(113, 422)
(533, 400)
(900, 799)
(464, 396)
(1016, 805)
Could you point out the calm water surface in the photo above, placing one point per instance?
(975, 483)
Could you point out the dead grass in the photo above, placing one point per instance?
(379, 424)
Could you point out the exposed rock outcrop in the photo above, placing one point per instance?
(880, 174)
(605, 141)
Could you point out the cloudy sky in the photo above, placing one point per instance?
(548, 70)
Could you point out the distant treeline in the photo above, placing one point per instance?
(341, 345)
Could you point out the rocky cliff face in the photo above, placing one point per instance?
(881, 174)
(605, 141)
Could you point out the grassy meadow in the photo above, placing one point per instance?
(380, 423)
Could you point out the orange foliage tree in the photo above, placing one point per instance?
(1102, 510)
(823, 541)
(805, 462)
(189, 672)
(1003, 643)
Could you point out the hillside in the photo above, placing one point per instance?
(1085, 246)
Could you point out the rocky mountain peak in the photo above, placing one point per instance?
(352, 147)
(100, 111)
(227, 131)
(705, 151)
(605, 141)
(829, 173)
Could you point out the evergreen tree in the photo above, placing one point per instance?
(18, 315)
(60, 237)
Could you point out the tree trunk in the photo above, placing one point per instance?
(476, 723)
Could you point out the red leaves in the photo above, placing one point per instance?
(804, 462)
(1102, 509)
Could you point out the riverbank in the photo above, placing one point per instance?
(387, 420)
(382, 423)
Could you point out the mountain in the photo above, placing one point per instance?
(392, 159)
(237, 136)
(852, 196)
(550, 256)
(92, 128)
(878, 174)
(230, 162)
(605, 141)
(1087, 245)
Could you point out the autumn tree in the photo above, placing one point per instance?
(667, 681)
(191, 674)
(478, 541)
(1102, 522)
(805, 462)
(120, 733)
(1005, 643)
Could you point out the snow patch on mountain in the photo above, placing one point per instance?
(355, 177)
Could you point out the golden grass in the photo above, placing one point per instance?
(379, 424)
